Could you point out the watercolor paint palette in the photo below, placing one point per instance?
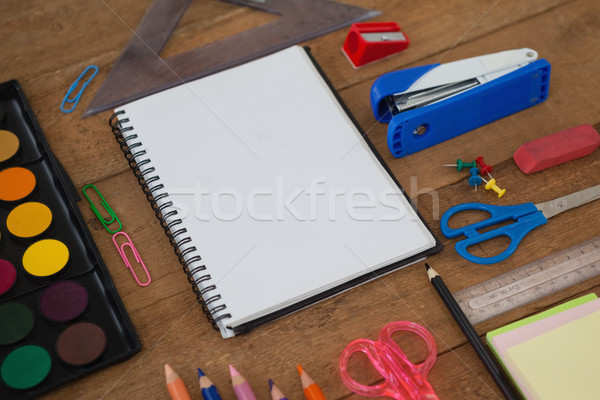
(60, 315)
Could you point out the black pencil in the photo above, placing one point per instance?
(464, 324)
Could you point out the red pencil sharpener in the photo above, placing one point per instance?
(371, 41)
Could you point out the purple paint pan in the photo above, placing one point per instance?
(64, 301)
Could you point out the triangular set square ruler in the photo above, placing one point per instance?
(140, 71)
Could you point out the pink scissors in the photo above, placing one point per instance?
(402, 379)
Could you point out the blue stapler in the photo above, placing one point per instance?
(430, 104)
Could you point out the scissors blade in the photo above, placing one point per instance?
(556, 206)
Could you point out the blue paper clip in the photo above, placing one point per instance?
(75, 100)
(105, 222)
(138, 258)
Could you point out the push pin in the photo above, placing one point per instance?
(460, 165)
(475, 179)
(369, 41)
(483, 167)
(491, 184)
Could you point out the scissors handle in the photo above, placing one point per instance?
(402, 379)
(526, 216)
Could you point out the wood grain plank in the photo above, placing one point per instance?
(563, 38)
(50, 44)
(46, 77)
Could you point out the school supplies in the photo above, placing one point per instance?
(312, 391)
(491, 185)
(9, 145)
(471, 335)
(462, 321)
(61, 317)
(209, 390)
(531, 282)
(259, 201)
(128, 244)
(241, 387)
(140, 70)
(370, 41)
(276, 393)
(556, 149)
(483, 167)
(474, 179)
(73, 101)
(175, 385)
(403, 380)
(461, 164)
(427, 105)
(106, 222)
(553, 355)
(527, 216)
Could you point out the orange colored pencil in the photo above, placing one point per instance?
(312, 391)
(175, 385)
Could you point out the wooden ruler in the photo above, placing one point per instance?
(531, 281)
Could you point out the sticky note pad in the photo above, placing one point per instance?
(560, 364)
(499, 340)
(554, 310)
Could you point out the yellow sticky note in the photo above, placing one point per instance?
(561, 364)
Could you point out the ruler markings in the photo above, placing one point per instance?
(530, 282)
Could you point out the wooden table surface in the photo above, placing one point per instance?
(46, 45)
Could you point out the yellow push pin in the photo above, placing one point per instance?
(491, 184)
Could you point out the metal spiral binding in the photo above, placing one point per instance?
(163, 212)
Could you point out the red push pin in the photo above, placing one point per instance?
(370, 41)
(484, 169)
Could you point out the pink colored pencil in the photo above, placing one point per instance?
(241, 387)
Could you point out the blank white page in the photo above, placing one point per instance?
(281, 196)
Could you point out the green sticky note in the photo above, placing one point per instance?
(525, 321)
(555, 310)
(562, 363)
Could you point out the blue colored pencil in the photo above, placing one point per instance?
(209, 390)
(276, 393)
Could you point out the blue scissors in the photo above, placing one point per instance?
(403, 380)
(527, 217)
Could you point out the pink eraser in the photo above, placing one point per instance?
(557, 148)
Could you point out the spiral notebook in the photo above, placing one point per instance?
(268, 189)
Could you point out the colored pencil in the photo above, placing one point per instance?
(276, 393)
(241, 387)
(312, 391)
(469, 332)
(209, 390)
(175, 385)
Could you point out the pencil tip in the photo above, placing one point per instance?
(431, 273)
(427, 267)
(168, 369)
(170, 374)
(233, 371)
(200, 373)
(299, 369)
(270, 384)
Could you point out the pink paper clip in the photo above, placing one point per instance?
(138, 259)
